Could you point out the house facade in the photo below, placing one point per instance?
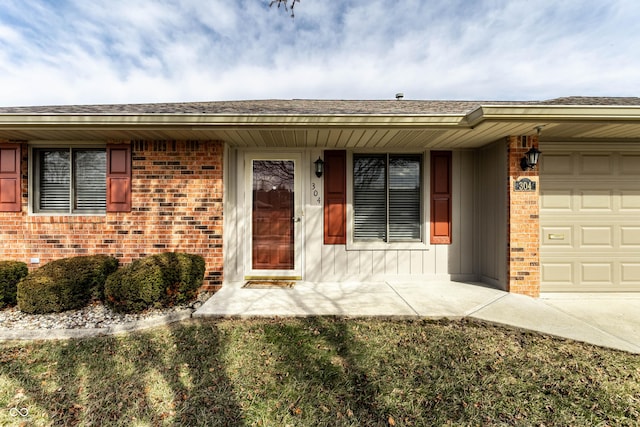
(322, 191)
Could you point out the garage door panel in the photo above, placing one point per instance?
(558, 273)
(557, 236)
(596, 237)
(591, 275)
(630, 200)
(590, 220)
(596, 164)
(557, 164)
(630, 273)
(630, 164)
(597, 273)
(630, 237)
(556, 200)
(596, 199)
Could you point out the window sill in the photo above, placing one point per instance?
(63, 214)
(382, 246)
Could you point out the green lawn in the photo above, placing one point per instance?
(319, 372)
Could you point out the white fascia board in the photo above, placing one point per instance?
(128, 121)
(553, 113)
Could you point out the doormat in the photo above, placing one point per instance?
(269, 284)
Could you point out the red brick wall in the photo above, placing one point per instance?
(177, 193)
(524, 225)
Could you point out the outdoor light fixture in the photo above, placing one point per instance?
(319, 164)
(530, 159)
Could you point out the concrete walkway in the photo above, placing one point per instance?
(609, 320)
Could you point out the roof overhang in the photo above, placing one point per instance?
(476, 128)
(553, 113)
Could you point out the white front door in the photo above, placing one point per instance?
(273, 215)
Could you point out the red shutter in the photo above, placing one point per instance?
(118, 178)
(335, 197)
(10, 197)
(441, 197)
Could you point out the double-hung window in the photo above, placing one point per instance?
(69, 180)
(387, 198)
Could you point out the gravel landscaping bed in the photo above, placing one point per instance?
(95, 315)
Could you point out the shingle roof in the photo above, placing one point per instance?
(262, 107)
(593, 100)
(308, 107)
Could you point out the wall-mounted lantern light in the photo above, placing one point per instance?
(319, 167)
(530, 159)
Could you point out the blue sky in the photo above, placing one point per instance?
(127, 51)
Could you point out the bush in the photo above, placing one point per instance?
(65, 284)
(10, 274)
(155, 281)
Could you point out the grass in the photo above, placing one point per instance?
(319, 372)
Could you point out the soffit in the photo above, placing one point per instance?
(340, 137)
(381, 137)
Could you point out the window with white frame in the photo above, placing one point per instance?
(69, 180)
(387, 198)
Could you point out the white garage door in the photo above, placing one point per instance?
(590, 217)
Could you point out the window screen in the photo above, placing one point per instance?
(387, 197)
(90, 180)
(70, 180)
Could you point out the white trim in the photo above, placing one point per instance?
(205, 121)
(41, 143)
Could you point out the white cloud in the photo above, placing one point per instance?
(89, 51)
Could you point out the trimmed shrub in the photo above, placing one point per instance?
(65, 284)
(10, 274)
(155, 281)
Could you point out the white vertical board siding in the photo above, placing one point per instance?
(232, 241)
(416, 262)
(404, 262)
(379, 264)
(313, 223)
(461, 250)
(355, 260)
(323, 263)
(455, 261)
(490, 209)
(327, 260)
(466, 222)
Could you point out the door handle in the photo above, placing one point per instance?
(296, 219)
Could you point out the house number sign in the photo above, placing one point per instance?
(316, 198)
(524, 184)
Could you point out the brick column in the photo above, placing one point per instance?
(524, 221)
